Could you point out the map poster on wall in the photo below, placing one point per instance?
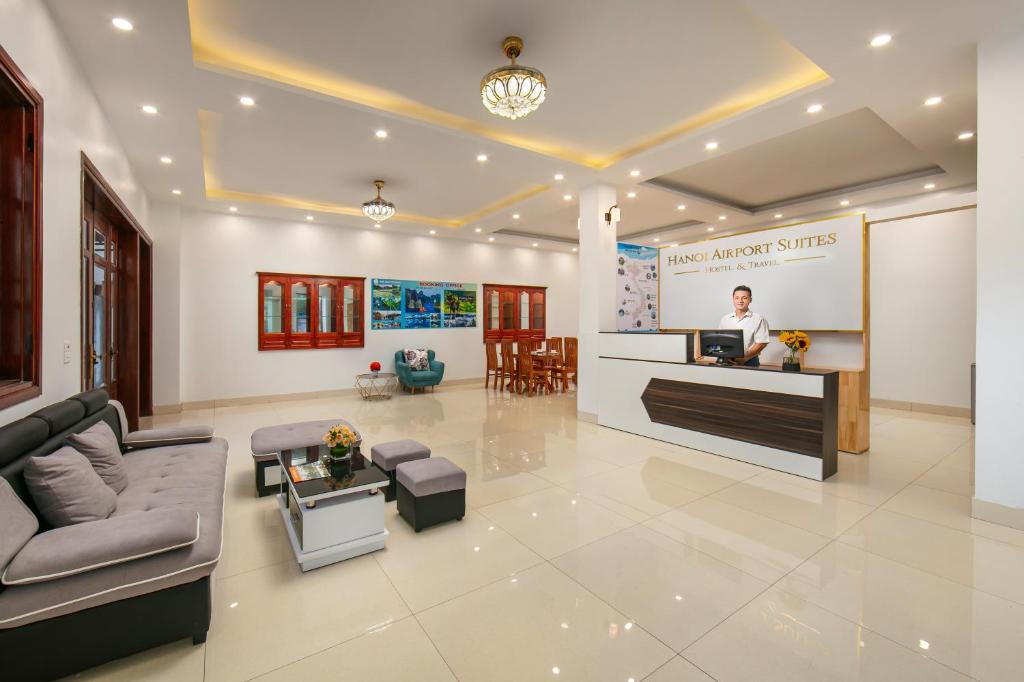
(637, 288)
(411, 304)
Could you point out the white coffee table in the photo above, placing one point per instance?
(330, 519)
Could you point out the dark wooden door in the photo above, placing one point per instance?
(101, 309)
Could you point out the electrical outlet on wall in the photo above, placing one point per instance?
(67, 352)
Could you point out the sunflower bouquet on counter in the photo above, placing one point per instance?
(796, 341)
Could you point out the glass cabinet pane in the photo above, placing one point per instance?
(272, 297)
(538, 315)
(300, 308)
(493, 304)
(350, 315)
(524, 310)
(325, 302)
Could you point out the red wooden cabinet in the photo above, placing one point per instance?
(514, 312)
(309, 311)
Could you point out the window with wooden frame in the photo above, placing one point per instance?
(310, 311)
(513, 312)
(21, 235)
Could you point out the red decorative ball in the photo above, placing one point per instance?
(374, 366)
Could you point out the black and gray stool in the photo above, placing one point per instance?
(387, 457)
(431, 491)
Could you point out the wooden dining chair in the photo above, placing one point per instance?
(493, 365)
(531, 373)
(570, 371)
(555, 343)
(509, 377)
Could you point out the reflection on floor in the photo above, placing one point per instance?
(589, 554)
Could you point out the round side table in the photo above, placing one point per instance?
(376, 385)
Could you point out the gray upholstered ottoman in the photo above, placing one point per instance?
(431, 491)
(270, 440)
(389, 455)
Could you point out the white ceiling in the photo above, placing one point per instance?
(652, 79)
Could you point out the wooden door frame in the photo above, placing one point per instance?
(136, 288)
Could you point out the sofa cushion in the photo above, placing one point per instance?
(182, 476)
(21, 436)
(424, 477)
(271, 439)
(66, 489)
(169, 435)
(99, 445)
(93, 401)
(416, 358)
(18, 526)
(62, 415)
(62, 552)
(389, 455)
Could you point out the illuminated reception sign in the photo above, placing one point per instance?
(411, 304)
(804, 276)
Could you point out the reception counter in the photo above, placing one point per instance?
(780, 420)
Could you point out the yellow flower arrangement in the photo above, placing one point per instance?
(795, 340)
(339, 435)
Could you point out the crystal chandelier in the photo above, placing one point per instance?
(378, 209)
(513, 91)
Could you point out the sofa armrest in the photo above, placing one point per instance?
(87, 546)
(403, 371)
(169, 435)
(437, 366)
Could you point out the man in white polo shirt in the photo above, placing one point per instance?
(754, 326)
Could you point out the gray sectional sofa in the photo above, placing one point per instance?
(102, 597)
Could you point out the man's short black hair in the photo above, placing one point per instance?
(743, 287)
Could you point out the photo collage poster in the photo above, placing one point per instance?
(637, 288)
(411, 304)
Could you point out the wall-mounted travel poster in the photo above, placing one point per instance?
(411, 304)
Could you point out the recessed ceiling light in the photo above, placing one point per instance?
(490, 239)
(814, 108)
(674, 244)
(681, 207)
(478, 230)
(965, 135)
(175, 191)
(122, 23)
(433, 232)
(233, 209)
(932, 101)
(656, 239)
(923, 644)
(246, 101)
(710, 228)
(535, 244)
(559, 177)
(631, 195)
(778, 215)
(381, 134)
(377, 225)
(567, 197)
(711, 146)
(515, 216)
(148, 109)
(844, 202)
(574, 249)
(930, 185)
(634, 173)
(309, 217)
(721, 217)
(881, 39)
(481, 157)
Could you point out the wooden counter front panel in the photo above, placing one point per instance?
(795, 423)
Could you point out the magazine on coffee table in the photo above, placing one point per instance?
(307, 472)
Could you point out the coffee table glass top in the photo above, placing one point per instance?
(308, 463)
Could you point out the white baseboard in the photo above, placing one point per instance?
(994, 512)
(928, 408)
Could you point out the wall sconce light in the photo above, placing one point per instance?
(613, 215)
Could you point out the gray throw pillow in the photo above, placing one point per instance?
(88, 546)
(417, 359)
(19, 523)
(67, 490)
(169, 435)
(99, 445)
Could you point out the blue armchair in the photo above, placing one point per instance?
(422, 378)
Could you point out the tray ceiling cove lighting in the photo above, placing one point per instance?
(513, 91)
(378, 209)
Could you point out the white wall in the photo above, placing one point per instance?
(923, 308)
(73, 122)
(999, 464)
(221, 253)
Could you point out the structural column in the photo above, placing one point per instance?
(999, 457)
(597, 289)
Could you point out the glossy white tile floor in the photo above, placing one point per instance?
(589, 554)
